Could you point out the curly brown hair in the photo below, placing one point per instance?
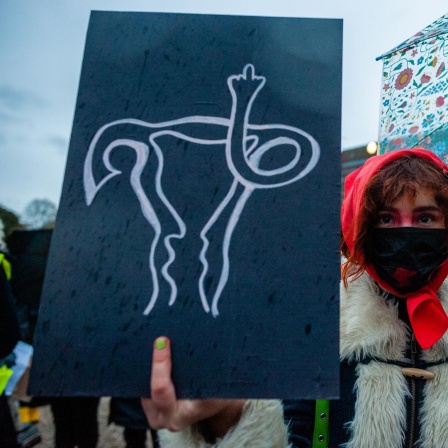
(406, 175)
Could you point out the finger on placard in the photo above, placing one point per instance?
(163, 394)
(154, 417)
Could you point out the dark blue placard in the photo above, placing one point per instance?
(201, 202)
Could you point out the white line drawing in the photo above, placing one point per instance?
(243, 155)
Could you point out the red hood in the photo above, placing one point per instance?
(355, 185)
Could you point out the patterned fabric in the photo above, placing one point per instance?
(432, 30)
(414, 95)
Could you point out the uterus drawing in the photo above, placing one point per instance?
(244, 149)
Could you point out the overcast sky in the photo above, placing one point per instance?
(41, 52)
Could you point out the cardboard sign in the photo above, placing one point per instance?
(201, 202)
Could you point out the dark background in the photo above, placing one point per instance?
(277, 332)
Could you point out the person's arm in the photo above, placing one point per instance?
(189, 423)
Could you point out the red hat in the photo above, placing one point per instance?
(428, 318)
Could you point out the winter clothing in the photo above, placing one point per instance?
(371, 333)
(378, 334)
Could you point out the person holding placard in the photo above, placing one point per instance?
(393, 339)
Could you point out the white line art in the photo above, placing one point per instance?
(243, 152)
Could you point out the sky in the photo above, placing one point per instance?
(41, 51)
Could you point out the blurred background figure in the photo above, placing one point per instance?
(128, 413)
(9, 336)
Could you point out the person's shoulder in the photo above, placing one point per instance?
(360, 284)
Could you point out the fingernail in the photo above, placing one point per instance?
(160, 343)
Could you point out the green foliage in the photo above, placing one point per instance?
(39, 214)
(10, 220)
